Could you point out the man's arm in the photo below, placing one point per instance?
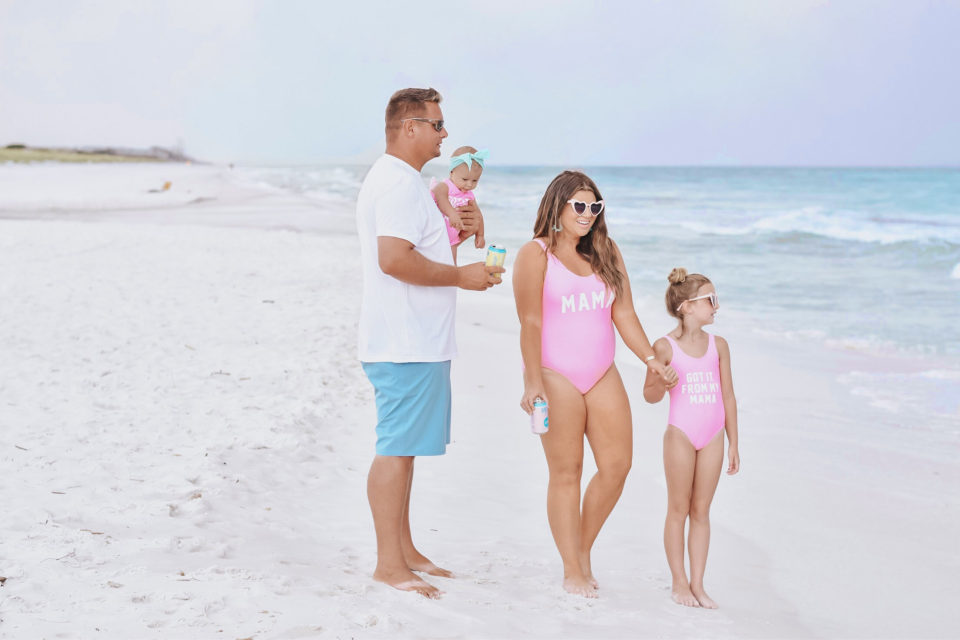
(471, 217)
(398, 258)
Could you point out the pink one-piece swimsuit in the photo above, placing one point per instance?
(577, 339)
(696, 403)
(457, 198)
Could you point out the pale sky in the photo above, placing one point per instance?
(671, 82)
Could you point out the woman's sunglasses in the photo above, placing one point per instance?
(437, 124)
(581, 207)
(712, 297)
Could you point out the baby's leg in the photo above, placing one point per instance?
(709, 465)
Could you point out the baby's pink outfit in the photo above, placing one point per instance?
(457, 198)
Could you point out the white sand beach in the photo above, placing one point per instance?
(185, 434)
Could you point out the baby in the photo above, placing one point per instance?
(466, 166)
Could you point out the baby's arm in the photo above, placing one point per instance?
(442, 194)
(654, 387)
(729, 406)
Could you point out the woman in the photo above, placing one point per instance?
(571, 289)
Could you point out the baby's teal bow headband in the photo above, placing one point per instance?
(469, 158)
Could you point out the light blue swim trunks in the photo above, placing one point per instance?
(413, 407)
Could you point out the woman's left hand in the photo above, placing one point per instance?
(671, 378)
(666, 372)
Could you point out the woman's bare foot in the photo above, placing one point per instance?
(587, 571)
(430, 568)
(681, 594)
(419, 562)
(705, 601)
(407, 581)
(580, 586)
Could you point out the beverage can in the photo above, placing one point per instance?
(495, 256)
(539, 420)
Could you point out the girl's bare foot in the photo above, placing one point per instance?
(705, 601)
(407, 581)
(681, 594)
(580, 586)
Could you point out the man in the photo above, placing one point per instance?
(406, 323)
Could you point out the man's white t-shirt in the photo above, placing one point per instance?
(402, 322)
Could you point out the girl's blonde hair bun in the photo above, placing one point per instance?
(677, 276)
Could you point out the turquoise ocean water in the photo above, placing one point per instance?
(844, 260)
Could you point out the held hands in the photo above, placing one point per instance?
(733, 460)
(478, 276)
(672, 378)
(666, 372)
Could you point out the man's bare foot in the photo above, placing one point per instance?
(407, 581)
(580, 587)
(705, 601)
(419, 562)
(681, 594)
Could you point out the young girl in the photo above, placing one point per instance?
(466, 166)
(702, 406)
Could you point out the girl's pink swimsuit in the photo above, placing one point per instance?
(696, 403)
(457, 198)
(577, 339)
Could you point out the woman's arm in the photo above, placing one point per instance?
(628, 325)
(529, 270)
(654, 387)
(729, 405)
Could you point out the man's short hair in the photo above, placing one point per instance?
(408, 103)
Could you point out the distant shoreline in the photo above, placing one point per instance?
(25, 154)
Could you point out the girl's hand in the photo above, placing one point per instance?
(670, 377)
(733, 461)
(530, 394)
(666, 372)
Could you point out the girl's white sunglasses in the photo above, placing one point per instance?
(713, 297)
(581, 207)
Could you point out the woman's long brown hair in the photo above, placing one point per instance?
(596, 246)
